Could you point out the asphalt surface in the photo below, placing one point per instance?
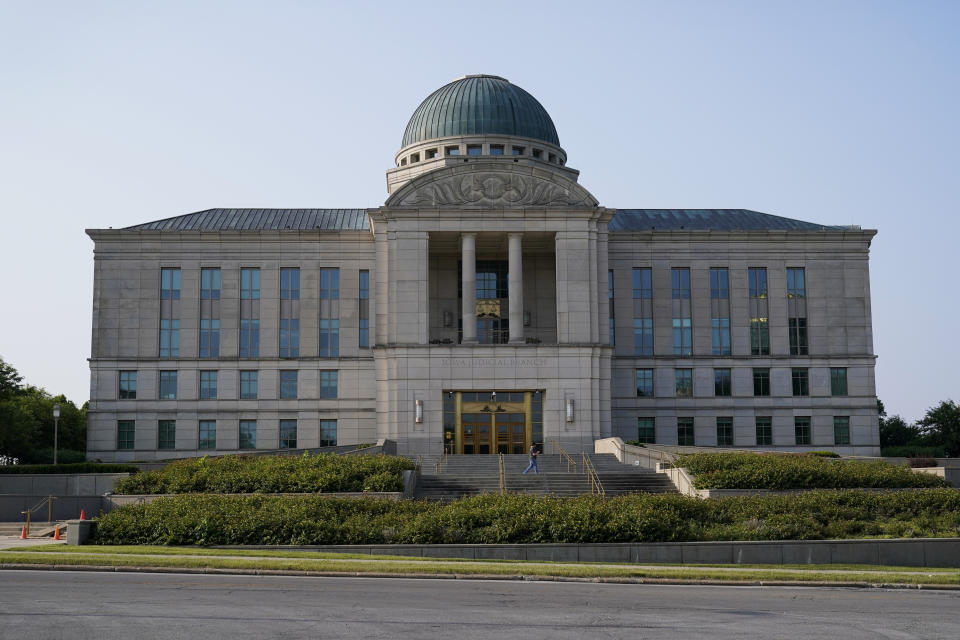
(58, 604)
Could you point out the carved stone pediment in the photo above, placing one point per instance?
(490, 188)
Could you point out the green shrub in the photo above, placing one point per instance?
(797, 471)
(79, 467)
(323, 473)
(516, 519)
(823, 454)
(911, 451)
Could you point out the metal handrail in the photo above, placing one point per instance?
(438, 467)
(49, 502)
(503, 479)
(555, 447)
(596, 487)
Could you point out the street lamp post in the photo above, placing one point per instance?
(56, 424)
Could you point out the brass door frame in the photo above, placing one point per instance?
(493, 408)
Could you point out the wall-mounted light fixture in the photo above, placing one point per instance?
(526, 318)
(447, 319)
(493, 396)
(418, 411)
(570, 415)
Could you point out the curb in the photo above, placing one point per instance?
(478, 576)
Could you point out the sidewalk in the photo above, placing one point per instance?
(14, 542)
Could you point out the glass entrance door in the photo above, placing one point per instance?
(489, 422)
(511, 432)
(476, 432)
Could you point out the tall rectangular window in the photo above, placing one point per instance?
(126, 430)
(328, 433)
(797, 329)
(724, 432)
(209, 284)
(289, 313)
(364, 310)
(680, 281)
(722, 382)
(288, 434)
(801, 382)
(168, 385)
(759, 318)
(128, 385)
(796, 283)
(682, 322)
(801, 429)
(646, 430)
(248, 434)
(208, 435)
(169, 313)
(685, 434)
(248, 385)
(838, 381)
(764, 431)
(209, 313)
(719, 284)
(720, 336)
(611, 306)
(841, 430)
(328, 384)
(720, 311)
(249, 313)
(642, 311)
(167, 434)
(682, 337)
(209, 337)
(329, 313)
(208, 385)
(761, 382)
(684, 380)
(288, 385)
(644, 383)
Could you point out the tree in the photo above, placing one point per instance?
(941, 425)
(10, 381)
(895, 432)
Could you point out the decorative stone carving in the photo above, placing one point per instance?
(494, 190)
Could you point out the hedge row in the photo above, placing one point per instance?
(325, 472)
(797, 471)
(302, 520)
(79, 467)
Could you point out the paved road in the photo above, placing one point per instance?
(53, 604)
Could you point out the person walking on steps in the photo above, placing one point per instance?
(533, 460)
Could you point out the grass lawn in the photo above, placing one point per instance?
(194, 558)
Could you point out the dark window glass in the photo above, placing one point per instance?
(680, 279)
(682, 337)
(249, 382)
(759, 337)
(249, 338)
(288, 434)
(838, 381)
(757, 281)
(166, 434)
(169, 338)
(328, 433)
(724, 432)
(761, 382)
(329, 337)
(801, 428)
(684, 378)
(611, 307)
(288, 385)
(126, 430)
(801, 382)
(645, 383)
(519, 151)
(208, 435)
(797, 328)
(128, 385)
(685, 434)
(796, 283)
(841, 430)
(248, 434)
(764, 431)
(642, 283)
(719, 284)
(328, 384)
(496, 149)
(168, 385)
(720, 336)
(289, 284)
(169, 284)
(452, 151)
(289, 337)
(364, 284)
(329, 284)
(208, 385)
(646, 430)
(474, 149)
(249, 284)
(209, 284)
(722, 383)
(209, 338)
(643, 336)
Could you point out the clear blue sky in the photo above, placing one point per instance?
(115, 113)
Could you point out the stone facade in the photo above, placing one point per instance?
(480, 273)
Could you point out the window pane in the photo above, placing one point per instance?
(646, 430)
(761, 382)
(125, 434)
(764, 431)
(801, 382)
(841, 430)
(328, 384)
(288, 434)
(719, 284)
(128, 385)
(802, 430)
(722, 382)
(680, 279)
(645, 383)
(684, 378)
(642, 284)
(248, 434)
(724, 432)
(166, 434)
(248, 385)
(838, 381)
(685, 433)
(288, 385)
(168, 385)
(328, 433)
(208, 435)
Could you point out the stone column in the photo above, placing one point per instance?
(468, 256)
(515, 286)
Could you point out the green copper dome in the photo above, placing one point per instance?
(480, 105)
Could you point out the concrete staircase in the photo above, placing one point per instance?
(464, 475)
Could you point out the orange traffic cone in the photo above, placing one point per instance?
(81, 514)
(56, 532)
(23, 533)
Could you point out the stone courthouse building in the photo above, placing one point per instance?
(491, 302)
